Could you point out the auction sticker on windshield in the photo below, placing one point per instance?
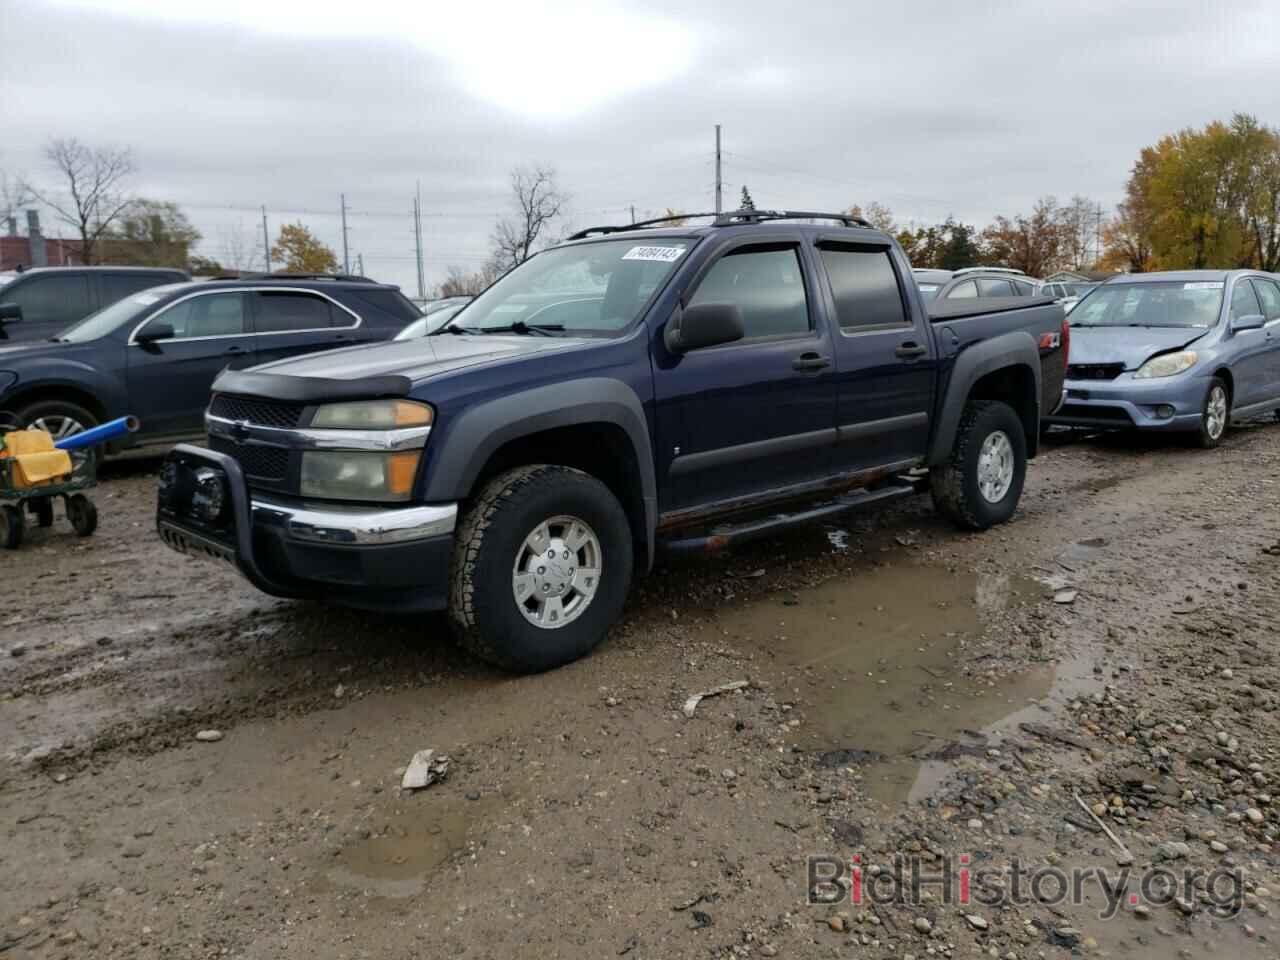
(1203, 285)
(660, 254)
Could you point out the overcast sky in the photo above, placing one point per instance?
(941, 108)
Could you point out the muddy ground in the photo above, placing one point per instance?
(913, 693)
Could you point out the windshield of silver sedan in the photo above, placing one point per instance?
(581, 290)
(1157, 303)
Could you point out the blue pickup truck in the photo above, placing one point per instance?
(632, 389)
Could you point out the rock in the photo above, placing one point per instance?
(975, 824)
(1172, 851)
(923, 925)
(1227, 673)
(729, 773)
(836, 923)
(1217, 846)
(424, 769)
(1223, 737)
(1186, 906)
(209, 736)
(18, 650)
(1066, 596)
(1124, 859)
(977, 922)
(1254, 814)
(1142, 911)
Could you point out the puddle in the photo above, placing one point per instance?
(874, 660)
(407, 847)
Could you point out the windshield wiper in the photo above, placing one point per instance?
(520, 327)
(450, 328)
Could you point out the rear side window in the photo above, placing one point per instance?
(391, 302)
(51, 298)
(288, 311)
(1269, 293)
(964, 291)
(767, 285)
(1243, 301)
(994, 288)
(1023, 289)
(864, 286)
(117, 286)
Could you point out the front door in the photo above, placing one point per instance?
(757, 415)
(291, 322)
(169, 379)
(884, 358)
(1252, 356)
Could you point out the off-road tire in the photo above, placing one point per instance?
(954, 484)
(12, 526)
(1204, 439)
(482, 606)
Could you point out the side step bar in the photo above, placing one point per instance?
(729, 534)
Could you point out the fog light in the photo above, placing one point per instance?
(209, 499)
(1164, 411)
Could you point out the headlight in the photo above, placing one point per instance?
(359, 475)
(373, 415)
(1166, 365)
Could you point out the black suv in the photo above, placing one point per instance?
(155, 353)
(36, 304)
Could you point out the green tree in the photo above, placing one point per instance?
(150, 233)
(746, 203)
(961, 245)
(299, 251)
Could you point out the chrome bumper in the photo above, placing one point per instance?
(359, 526)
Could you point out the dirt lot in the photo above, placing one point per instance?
(913, 693)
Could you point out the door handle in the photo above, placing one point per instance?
(910, 350)
(230, 351)
(810, 361)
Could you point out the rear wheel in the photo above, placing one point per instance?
(981, 483)
(541, 568)
(82, 514)
(1215, 414)
(12, 527)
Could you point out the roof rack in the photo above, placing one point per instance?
(1013, 270)
(727, 219)
(303, 275)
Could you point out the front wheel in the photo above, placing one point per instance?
(981, 483)
(541, 568)
(1215, 414)
(82, 514)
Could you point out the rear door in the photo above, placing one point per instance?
(50, 303)
(754, 417)
(1249, 368)
(169, 380)
(288, 322)
(884, 357)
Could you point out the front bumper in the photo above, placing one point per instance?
(363, 556)
(1168, 403)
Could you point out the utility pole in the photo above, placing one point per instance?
(417, 234)
(360, 264)
(346, 260)
(1097, 237)
(718, 183)
(266, 239)
(633, 213)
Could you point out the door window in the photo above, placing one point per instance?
(766, 284)
(994, 288)
(210, 315)
(864, 286)
(52, 298)
(1269, 293)
(1243, 301)
(288, 311)
(964, 291)
(117, 286)
(1021, 289)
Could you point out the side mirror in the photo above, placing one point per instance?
(1250, 321)
(704, 325)
(153, 332)
(10, 313)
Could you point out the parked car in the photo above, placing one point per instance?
(37, 303)
(631, 389)
(1066, 293)
(155, 353)
(1183, 351)
(973, 283)
(434, 316)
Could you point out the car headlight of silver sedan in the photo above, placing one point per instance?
(1167, 364)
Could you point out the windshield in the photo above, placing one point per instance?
(432, 321)
(928, 290)
(109, 318)
(586, 289)
(1162, 303)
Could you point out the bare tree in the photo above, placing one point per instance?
(241, 250)
(93, 199)
(458, 282)
(538, 201)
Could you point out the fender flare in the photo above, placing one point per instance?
(1017, 348)
(482, 429)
